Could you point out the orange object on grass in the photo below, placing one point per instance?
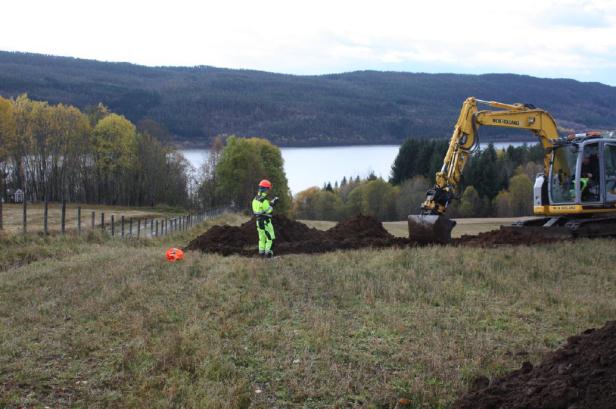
(174, 254)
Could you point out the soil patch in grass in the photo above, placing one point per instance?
(358, 232)
(582, 374)
(509, 235)
(295, 237)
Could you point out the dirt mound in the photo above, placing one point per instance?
(236, 239)
(296, 237)
(359, 227)
(514, 236)
(357, 232)
(580, 375)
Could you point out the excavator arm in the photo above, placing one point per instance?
(431, 225)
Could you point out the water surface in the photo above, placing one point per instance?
(306, 167)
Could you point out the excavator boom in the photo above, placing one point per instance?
(431, 225)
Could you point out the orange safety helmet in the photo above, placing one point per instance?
(265, 183)
(174, 254)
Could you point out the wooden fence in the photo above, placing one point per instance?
(120, 226)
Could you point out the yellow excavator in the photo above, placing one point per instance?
(576, 193)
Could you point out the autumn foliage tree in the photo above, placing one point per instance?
(57, 152)
(242, 164)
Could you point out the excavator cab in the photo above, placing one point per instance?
(582, 177)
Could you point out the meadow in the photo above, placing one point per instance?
(98, 322)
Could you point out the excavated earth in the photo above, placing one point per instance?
(357, 232)
(580, 375)
(295, 237)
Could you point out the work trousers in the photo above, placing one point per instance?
(265, 229)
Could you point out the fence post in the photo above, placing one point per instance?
(45, 216)
(93, 220)
(63, 218)
(130, 226)
(151, 227)
(103, 221)
(24, 216)
(79, 220)
(112, 225)
(122, 223)
(156, 227)
(138, 227)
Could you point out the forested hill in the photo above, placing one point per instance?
(352, 108)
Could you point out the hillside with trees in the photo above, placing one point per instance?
(365, 107)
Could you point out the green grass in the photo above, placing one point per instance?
(96, 322)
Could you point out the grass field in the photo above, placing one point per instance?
(13, 214)
(95, 322)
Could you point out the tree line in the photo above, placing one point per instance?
(494, 183)
(57, 152)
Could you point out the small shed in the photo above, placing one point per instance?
(18, 196)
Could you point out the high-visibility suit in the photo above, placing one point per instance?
(262, 210)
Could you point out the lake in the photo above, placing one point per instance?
(306, 167)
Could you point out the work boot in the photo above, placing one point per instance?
(262, 254)
(270, 254)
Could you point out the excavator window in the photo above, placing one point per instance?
(609, 154)
(589, 174)
(562, 175)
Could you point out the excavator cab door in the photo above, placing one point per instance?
(609, 166)
(562, 178)
(589, 174)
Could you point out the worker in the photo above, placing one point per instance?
(589, 176)
(263, 208)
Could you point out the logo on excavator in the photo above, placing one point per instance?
(505, 121)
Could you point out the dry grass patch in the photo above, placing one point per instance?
(13, 214)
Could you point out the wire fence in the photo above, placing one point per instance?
(110, 222)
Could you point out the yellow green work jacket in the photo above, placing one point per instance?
(261, 207)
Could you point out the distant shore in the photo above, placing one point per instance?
(184, 144)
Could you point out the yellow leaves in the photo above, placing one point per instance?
(115, 142)
(7, 126)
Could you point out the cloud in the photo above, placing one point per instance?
(549, 38)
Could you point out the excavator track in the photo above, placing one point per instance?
(570, 226)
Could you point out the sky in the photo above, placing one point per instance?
(554, 39)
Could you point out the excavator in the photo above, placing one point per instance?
(575, 195)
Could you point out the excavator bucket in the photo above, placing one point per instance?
(430, 228)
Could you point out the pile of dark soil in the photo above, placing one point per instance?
(357, 232)
(295, 237)
(508, 235)
(580, 375)
(236, 239)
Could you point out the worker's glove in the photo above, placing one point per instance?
(274, 201)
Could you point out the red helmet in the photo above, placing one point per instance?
(265, 183)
